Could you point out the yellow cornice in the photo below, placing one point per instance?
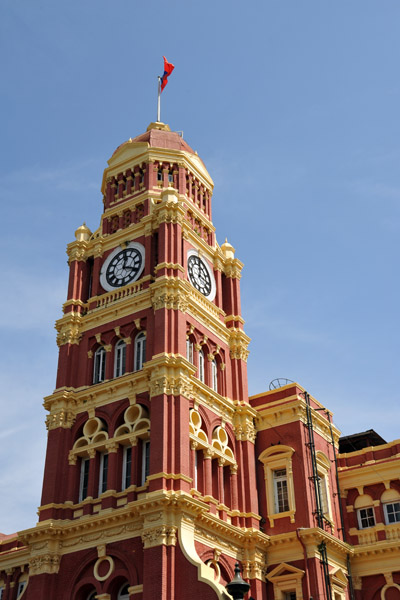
(166, 265)
(370, 449)
(289, 410)
(378, 471)
(143, 153)
(65, 403)
(111, 305)
(16, 557)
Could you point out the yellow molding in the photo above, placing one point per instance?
(135, 589)
(65, 403)
(291, 410)
(236, 318)
(372, 449)
(356, 476)
(17, 557)
(166, 265)
(140, 152)
(174, 476)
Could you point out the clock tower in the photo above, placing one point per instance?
(150, 478)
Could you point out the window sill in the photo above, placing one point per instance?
(287, 513)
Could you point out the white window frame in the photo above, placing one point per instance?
(196, 471)
(140, 350)
(103, 472)
(280, 479)
(126, 467)
(323, 492)
(189, 350)
(122, 596)
(99, 365)
(396, 512)
(214, 375)
(84, 461)
(201, 366)
(145, 461)
(120, 358)
(323, 470)
(276, 458)
(21, 589)
(360, 517)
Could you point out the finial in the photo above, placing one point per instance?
(83, 233)
(237, 588)
(228, 249)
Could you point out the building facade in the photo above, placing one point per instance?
(160, 471)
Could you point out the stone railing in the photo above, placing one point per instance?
(118, 294)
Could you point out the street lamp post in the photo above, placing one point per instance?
(237, 588)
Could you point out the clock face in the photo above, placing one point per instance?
(200, 275)
(122, 266)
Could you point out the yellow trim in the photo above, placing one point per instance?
(174, 476)
(166, 265)
(273, 459)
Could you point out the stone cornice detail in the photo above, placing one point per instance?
(238, 342)
(169, 210)
(78, 250)
(243, 423)
(289, 410)
(69, 329)
(64, 404)
(111, 305)
(169, 374)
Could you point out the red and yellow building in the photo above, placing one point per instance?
(160, 471)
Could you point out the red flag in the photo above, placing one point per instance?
(168, 68)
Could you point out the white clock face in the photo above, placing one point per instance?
(200, 275)
(122, 266)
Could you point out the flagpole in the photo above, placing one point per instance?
(159, 100)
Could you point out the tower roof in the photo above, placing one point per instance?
(159, 135)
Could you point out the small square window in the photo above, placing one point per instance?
(392, 512)
(366, 517)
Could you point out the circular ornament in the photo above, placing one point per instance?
(105, 573)
(200, 275)
(122, 266)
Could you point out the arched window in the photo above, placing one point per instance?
(160, 175)
(120, 358)
(103, 472)
(214, 375)
(84, 478)
(145, 461)
(99, 369)
(123, 593)
(278, 474)
(126, 467)
(189, 350)
(140, 351)
(323, 468)
(201, 366)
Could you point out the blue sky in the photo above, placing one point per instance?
(293, 106)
